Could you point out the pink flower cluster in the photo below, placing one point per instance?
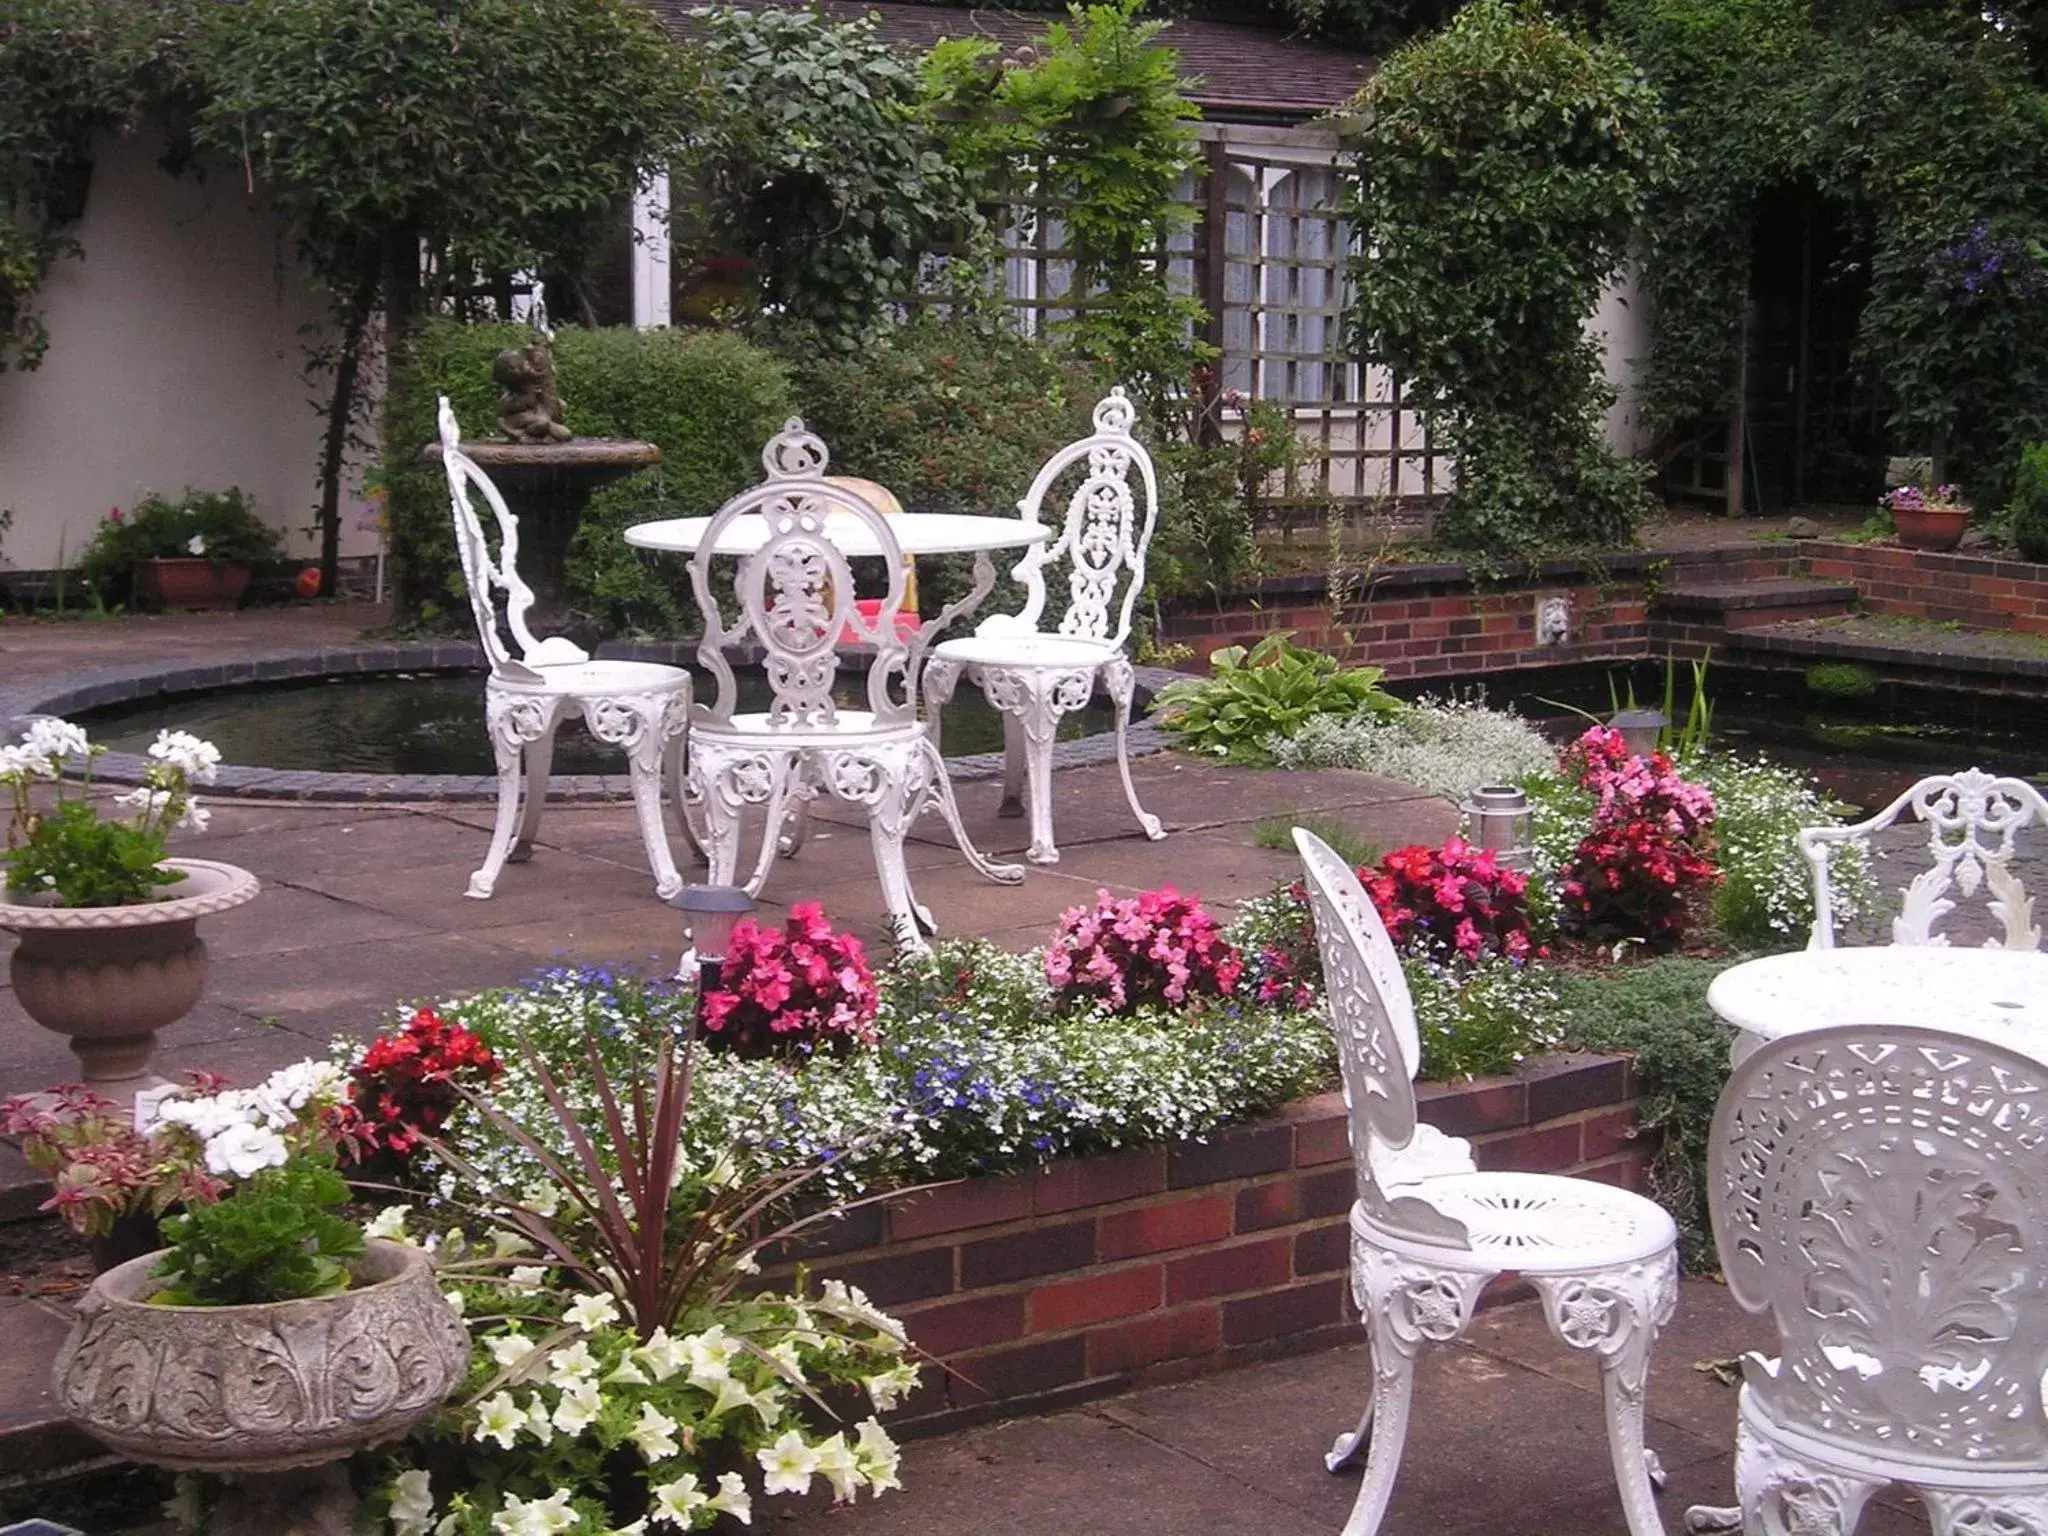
(1155, 947)
(1649, 845)
(1456, 899)
(801, 987)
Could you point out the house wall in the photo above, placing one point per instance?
(175, 360)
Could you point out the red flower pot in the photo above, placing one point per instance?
(191, 581)
(1930, 527)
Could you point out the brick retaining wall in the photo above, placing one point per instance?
(1970, 590)
(1096, 1274)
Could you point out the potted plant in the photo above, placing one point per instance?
(195, 552)
(110, 950)
(1927, 517)
(271, 1339)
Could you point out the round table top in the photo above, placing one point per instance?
(1991, 994)
(917, 533)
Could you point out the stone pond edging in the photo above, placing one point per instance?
(1097, 1274)
(121, 685)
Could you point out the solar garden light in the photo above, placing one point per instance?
(1640, 729)
(710, 913)
(1498, 821)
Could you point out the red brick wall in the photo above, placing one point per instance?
(1096, 1274)
(1952, 588)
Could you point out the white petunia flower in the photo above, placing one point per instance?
(412, 1504)
(579, 1408)
(878, 1457)
(543, 1198)
(538, 1424)
(661, 1354)
(890, 1387)
(788, 1464)
(535, 1517)
(499, 1418)
(388, 1223)
(528, 1277)
(732, 1498)
(591, 1313)
(677, 1503)
(455, 1300)
(508, 1349)
(571, 1365)
(836, 1464)
(655, 1434)
(627, 1374)
(709, 1356)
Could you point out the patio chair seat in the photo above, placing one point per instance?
(852, 725)
(1003, 649)
(1533, 1223)
(596, 676)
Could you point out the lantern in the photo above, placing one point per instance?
(1498, 821)
(710, 913)
(1640, 729)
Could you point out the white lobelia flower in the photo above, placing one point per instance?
(245, 1150)
(878, 1457)
(185, 752)
(836, 1464)
(535, 1517)
(655, 1434)
(732, 1498)
(579, 1408)
(787, 1465)
(677, 1503)
(591, 1313)
(499, 1418)
(412, 1504)
(509, 1349)
(388, 1223)
(571, 1365)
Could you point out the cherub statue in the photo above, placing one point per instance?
(530, 411)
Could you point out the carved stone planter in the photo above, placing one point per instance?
(111, 977)
(274, 1393)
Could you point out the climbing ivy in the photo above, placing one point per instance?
(1493, 181)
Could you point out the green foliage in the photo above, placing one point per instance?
(1267, 692)
(1211, 483)
(1481, 1018)
(274, 1237)
(1841, 680)
(2028, 513)
(821, 165)
(1277, 833)
(87, 862)
(707, 401)
(1657, 1012)
(224, 523)
(1493, 186)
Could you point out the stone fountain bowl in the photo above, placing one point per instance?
(262, 1388)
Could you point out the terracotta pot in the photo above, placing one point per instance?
(111, 977)
(264, 1391)
(191, 581)
(1931, 527)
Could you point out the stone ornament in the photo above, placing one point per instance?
(1881, 1193)
(530, 410)
(1428, 1230)
(261, 1388)
(1971, 818)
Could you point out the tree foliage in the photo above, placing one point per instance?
(1493, 186)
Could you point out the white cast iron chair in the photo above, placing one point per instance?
(1882, 1193)
(796, 601)
(534, 684)
(1960, 811)
(1428, 1231)
(1035, 677)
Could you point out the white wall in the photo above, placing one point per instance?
(175, 360)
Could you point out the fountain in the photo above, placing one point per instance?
(548, 476)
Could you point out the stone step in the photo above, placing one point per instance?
(1751, 604)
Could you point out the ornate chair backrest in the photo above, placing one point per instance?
(1970, 819)
(1102, 538)
(795, 593)
(1882, 1192)
(1378, 1045)
(484, 576)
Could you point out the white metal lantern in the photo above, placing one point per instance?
(1498, 820)
(1640, 729)
(710, 913)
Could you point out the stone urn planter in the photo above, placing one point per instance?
(111, 977)
(276, 1394)
(1935, 528)
(191, 581)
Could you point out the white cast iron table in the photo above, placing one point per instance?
(1992, 994)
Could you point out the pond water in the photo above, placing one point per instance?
(1863, 749)
(434, 723)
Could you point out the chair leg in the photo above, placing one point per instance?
(540, 759)
(1121, 680)
(1393, 1390)
(1615, 1314)
(516, 722)
(891, 809)
(1975, 1514)
(1352, 1444)
(1780, 1495)
(645, 760)
(1012, 803)
(940, 789)
(676, 773)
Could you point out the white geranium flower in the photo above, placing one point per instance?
(388, 1223)
(878, 1457)
(591, 1313)
(245, 1150)
(149, 801)
(579, 1408)
(56, 740)
(655, 1434)
(836, 1464)
(499, 1418)
(412, 1504)
(185, 752)
(14, 766)
(196, 545)
(535, 1517)
(732, 1498)
(677, 1503)
(195, 816)
(788, 1464)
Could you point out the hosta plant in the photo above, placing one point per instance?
(1155, 947)
(1270, 691)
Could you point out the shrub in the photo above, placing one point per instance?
(709, 402)
(1272, 691)
(2029, 509)
(794, 990)
(1646, 851)
(221, 525)
(1448, 748)
(1452, 901)
(1155, 947)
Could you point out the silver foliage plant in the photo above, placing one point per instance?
(1448, 747)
